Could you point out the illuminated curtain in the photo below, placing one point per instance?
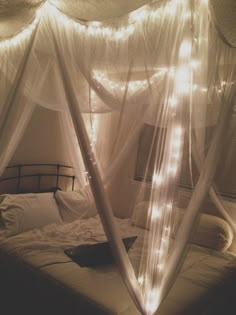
(108, 79)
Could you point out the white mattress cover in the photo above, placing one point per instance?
(44, 249)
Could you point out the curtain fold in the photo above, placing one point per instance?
(201, 190)
(162, 65)
(14, 132)
(73, 149)
(20, 73)
(102, 203)
(16, 109)
(214, 195)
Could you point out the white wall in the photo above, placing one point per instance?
(42, 141)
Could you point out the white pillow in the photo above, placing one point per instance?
(72, 205)
(25, 212)
(212, 232)
(140, 215)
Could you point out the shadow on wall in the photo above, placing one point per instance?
(43, 140)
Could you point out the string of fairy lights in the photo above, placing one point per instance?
(160, 208)
(96, 28)
(182, 82)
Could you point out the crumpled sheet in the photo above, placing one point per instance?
(44, 249)
(46, 245)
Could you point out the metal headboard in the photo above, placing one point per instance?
(58, 173)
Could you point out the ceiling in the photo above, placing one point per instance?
(15, 14)
(225, 18)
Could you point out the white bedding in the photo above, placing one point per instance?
(103, 287)
(46, 245)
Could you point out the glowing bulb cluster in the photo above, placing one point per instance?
(96, 28)
(183, 78)
(176, 144)
(141, 280)
(94, 122)
(173, 101)
(132, 86)
(24, 34)
(139, 14)
(157, 179)
(152, 301)
(156, 212)
(112, 33)
(181, 75)
(185, 49)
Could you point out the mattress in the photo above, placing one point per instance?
(36, 275)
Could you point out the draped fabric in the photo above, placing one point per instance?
(163, 64)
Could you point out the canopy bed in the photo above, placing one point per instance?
(39, 277)
(167, 64)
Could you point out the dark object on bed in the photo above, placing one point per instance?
(99, 254)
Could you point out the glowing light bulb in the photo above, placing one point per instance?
(160, 267)
(195, 87)
(157, 179)
(156, 213)
(120, 34)
(46, 9)
(139, 14)
(152, 301)
(195, 63)
(130, 29)
(91, 30)
(171, 7)
(95, 24)
(177, 140)
(107, 31)
(140, 280)
(182, 78)
(171, 71)
(23, 35)
(132, 85)
(172, 169)
(162, 70)
(185, 49)
(156, 13)
(178, 131)
(159, 252)
(173, 101)
(175, 155)
(176, 144)
(187, 15)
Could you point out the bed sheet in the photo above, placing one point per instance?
(40, 253)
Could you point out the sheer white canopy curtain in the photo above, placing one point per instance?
(163, 64)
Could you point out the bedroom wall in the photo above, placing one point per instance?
(124, 188)
(43, 141)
